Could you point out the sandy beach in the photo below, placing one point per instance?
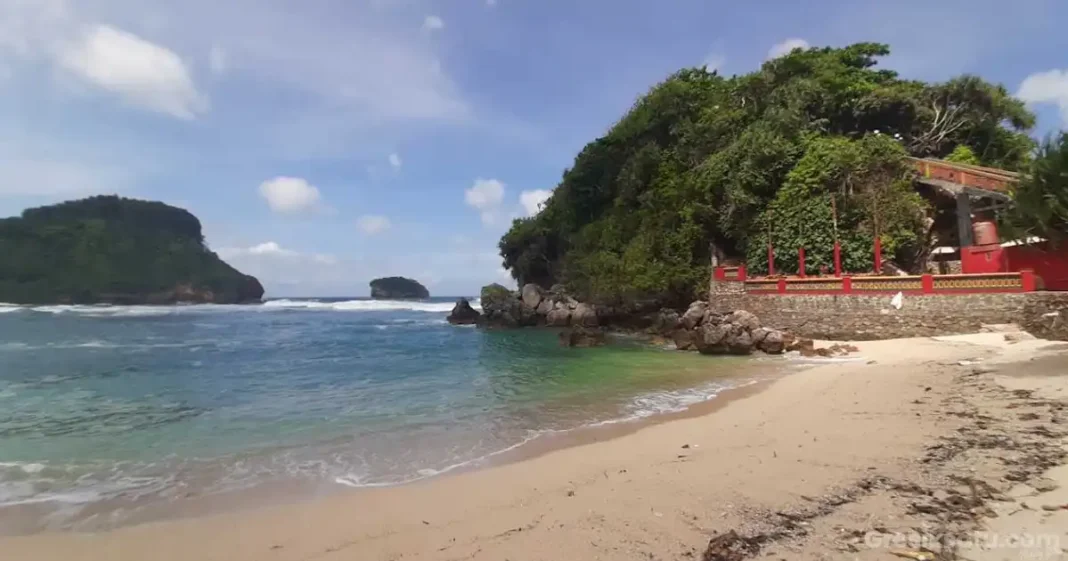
(922, 438)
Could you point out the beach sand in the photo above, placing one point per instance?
(921, 437)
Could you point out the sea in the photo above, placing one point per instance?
(113, 415)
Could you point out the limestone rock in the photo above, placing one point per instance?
(584, 315)
(500, 306)
(709, 338)
(744, 319)
(463, 314)
(694, 314)
(758, 335)
(773, 342)
(560, 316)
(739, 341)
(579, 336)
(531, 296)
(667, 322)
(545, 307)
(683, 339)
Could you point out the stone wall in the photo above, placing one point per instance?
(867, 317)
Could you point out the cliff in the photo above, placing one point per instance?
(398, 288)
(113, 250)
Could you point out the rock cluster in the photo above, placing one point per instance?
(708, 332)
(534, 306)
(699, 328)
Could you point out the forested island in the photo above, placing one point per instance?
(813, 145)
(108, 249)
(398, 288)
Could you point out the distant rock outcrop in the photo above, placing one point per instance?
(398, 288)
(463, 314)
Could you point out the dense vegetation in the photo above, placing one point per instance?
(109, 249)
(706, 165)
(1041, 197)
(398, 288)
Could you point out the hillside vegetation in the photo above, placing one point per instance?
(113, 250)
(707, 164)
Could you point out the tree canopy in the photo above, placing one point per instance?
(707, 164)
(111, 249)
(1041, 198)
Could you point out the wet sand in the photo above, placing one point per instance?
(808, 466)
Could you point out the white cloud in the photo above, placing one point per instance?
(714, 61)
(1047, 87)
(371, 224)
(290, 195)
(786, 47)
(532, 201)
(485, 196)
(433, 23)
(142, 72)
(395, 161)
(269, 248)
(217, 60)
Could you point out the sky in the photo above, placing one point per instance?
(324, 143)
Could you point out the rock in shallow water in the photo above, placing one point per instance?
(579, 336)
(584, 315)
(693, 316)
(463, 314)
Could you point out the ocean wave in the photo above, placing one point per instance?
(363, 305)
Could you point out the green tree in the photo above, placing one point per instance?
(1040, 200)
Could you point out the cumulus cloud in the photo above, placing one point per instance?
(533, 201)
(433, 23)
(786, 47)
(1047, 87)
(371, 224)
(485, 196)
(143, 73)
(290, 195)
(395, 161)
(272, 251)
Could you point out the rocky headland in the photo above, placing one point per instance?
(697, 328)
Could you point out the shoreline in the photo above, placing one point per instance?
(661, 489)
(757, 375)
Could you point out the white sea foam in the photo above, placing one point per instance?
(362, 305)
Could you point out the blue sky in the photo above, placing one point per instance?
(323, 143)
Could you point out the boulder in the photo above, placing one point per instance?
(712, 317)
(683, 339)
(579, 336)
(531, 296)
(463, 314)
(772, 343)
(667, 322)
(758, 335)
(545, 307)
(709, 339)
(584, 315)
(560, 316)
(739, 341)
(500, 306)
(743, 318)
(694, 314)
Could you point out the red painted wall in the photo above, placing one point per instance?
(1049, 264)
(979, 259)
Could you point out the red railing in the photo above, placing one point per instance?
(1023, 281)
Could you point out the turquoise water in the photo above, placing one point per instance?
(108, 411)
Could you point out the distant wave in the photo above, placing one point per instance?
(108, 311)
(364, 305)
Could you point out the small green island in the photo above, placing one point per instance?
(398, 288)
(112, 250)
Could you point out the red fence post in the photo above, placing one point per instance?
(878, 255)
(837, 259)
(742, 273)
(771, 260)
(719, 274)
(927, 282)
(782, 286)
(847, 284)
(801, 262)
(1027, 280)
